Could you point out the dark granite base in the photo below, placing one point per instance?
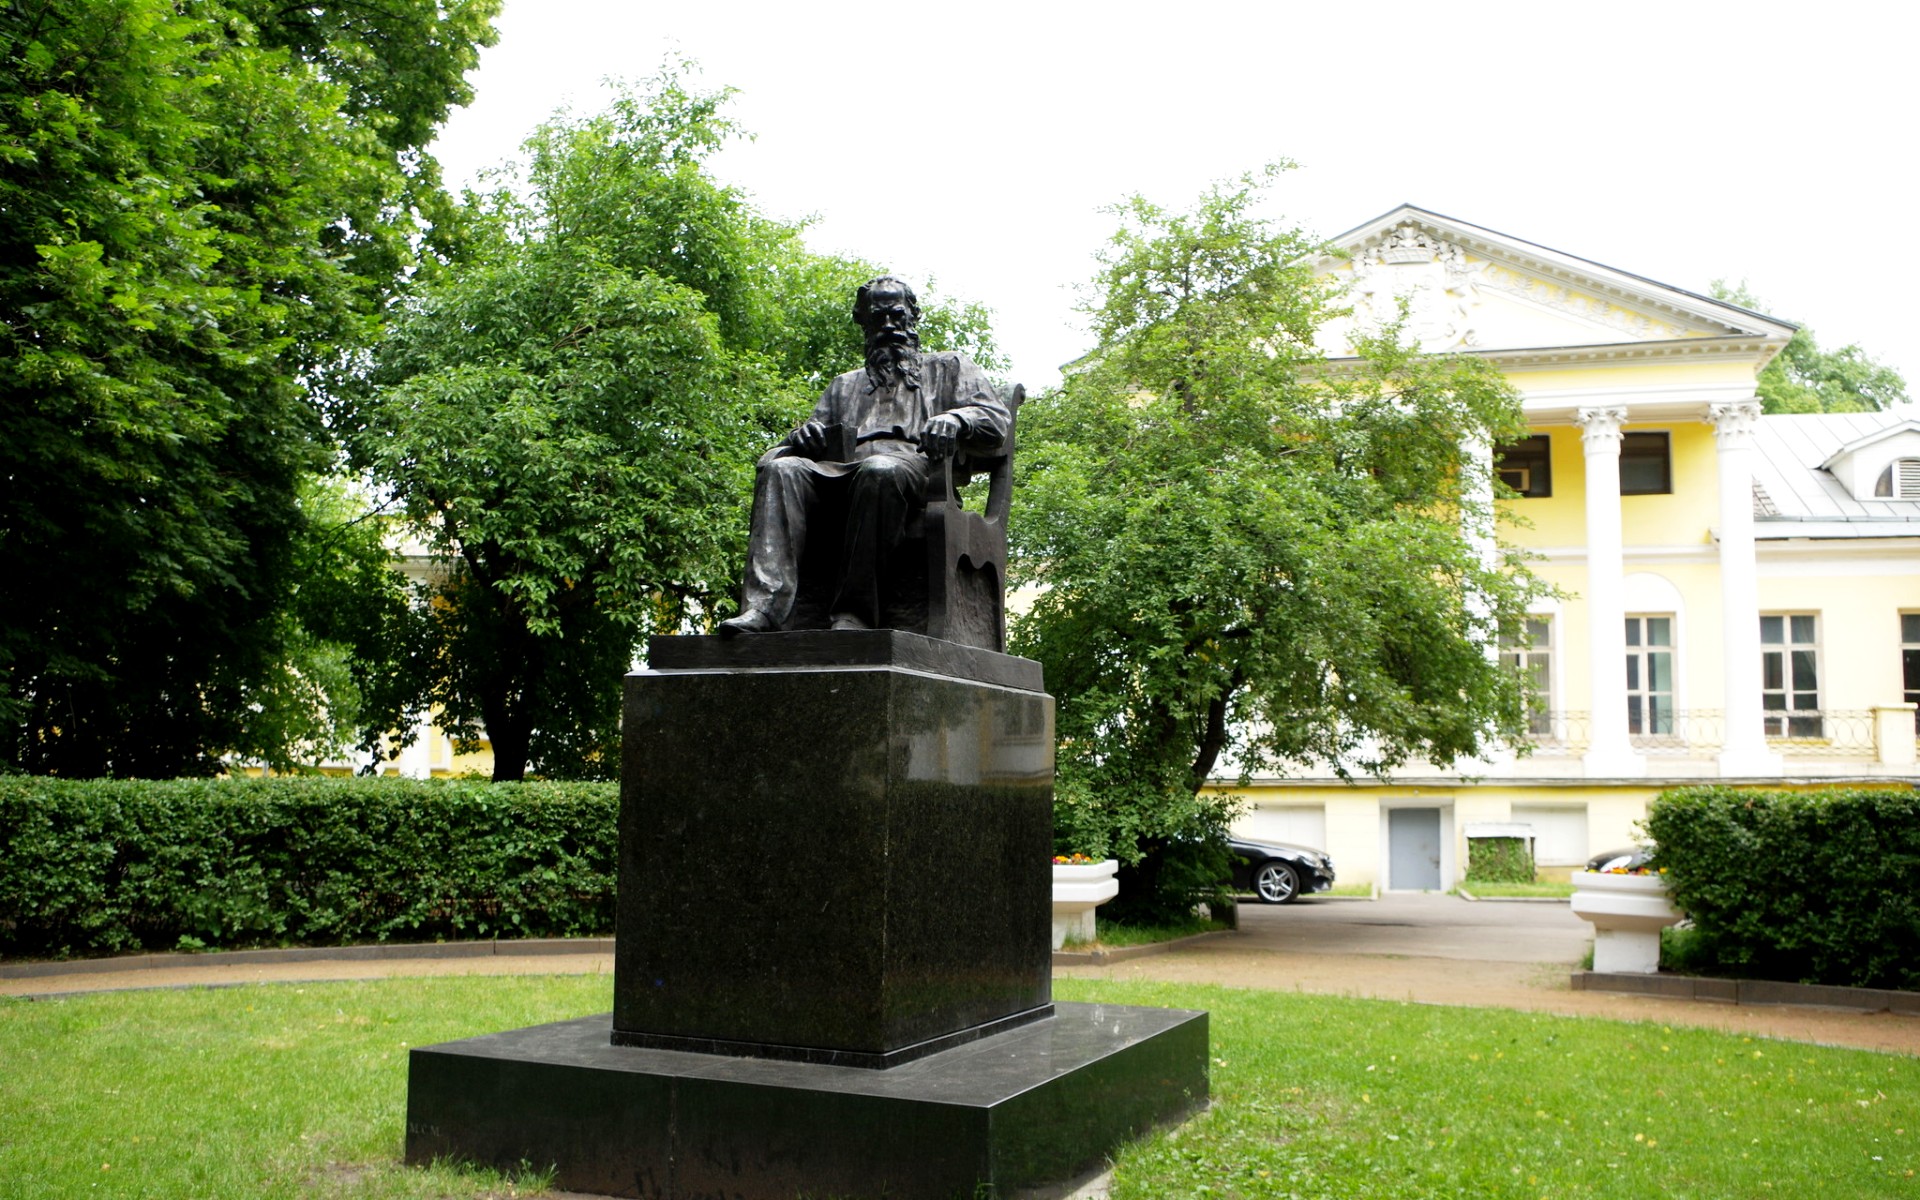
(828, 1057)
(1039, 1104)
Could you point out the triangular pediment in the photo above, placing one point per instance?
(1475, 290)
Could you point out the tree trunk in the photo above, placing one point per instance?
(510, 749)
(509, 730)
(1213, 738)
(509, 719)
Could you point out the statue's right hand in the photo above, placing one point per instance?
(810, 439)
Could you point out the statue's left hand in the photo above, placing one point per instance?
(940, 436)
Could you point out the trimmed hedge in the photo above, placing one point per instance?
(1809, 887)
(113, 866)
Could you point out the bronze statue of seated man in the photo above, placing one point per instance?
(872, 437)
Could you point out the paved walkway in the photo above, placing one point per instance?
(1428, 949)
(1435, 949)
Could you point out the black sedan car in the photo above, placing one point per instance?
(1626, 858)
(1277, 873)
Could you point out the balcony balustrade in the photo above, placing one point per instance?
(1806, 733)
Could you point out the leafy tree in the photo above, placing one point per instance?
(1803, 378)
(570, 417)
(1251, 557)
(350, 636)
(403, 62)
(198, 223)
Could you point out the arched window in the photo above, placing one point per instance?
(1900, 481)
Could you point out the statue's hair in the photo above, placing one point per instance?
(862, 300)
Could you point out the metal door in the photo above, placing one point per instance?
(1413, 849)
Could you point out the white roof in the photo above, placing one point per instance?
(1793, 471)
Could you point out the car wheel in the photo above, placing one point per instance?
(1275, 883)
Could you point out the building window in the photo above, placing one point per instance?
(1646, 464)
(1526, 466)
(1790, 676)
(1526, 652)
(1900, 481)
(1650, 676)
(1910, 662)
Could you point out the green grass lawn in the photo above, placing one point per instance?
(1489, 891)
(1109, 936)
(299, 1090)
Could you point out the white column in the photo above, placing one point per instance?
(416, 761)
(1744, 749)
(1476, 514)
(1476, 526)
(1609, 751)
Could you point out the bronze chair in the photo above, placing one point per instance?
(967, 551)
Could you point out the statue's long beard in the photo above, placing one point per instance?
(894, 364)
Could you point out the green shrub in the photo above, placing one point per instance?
(1812, 887)
(1169, 881)
(1498, 860)
(110, 866)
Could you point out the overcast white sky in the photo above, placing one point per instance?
(977, 143)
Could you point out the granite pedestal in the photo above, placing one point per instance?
(832, 962)
(841, 862)
(1028, 1107)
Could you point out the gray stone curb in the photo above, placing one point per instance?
(1750, 992)
(511, 948)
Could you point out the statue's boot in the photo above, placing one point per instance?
(751, 621)
(848, 621)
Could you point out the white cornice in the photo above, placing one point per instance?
(1616, 353)
(1623, 353)
(1658, 403)
(1885, 535)
(1702, 553)
(1897, 549)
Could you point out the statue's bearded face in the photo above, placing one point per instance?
(893, 345)
(889, 319)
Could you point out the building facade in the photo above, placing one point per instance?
(1739, 594)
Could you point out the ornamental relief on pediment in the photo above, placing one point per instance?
(1433, 277)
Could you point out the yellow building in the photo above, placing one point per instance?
(1749, 585)
(431, 754)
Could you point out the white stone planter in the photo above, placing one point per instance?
(1078, 889)
(1628, 912)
